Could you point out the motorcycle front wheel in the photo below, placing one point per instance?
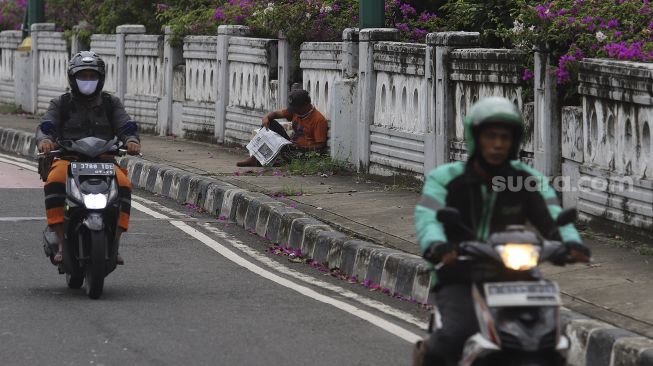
(95, 268)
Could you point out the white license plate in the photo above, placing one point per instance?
(92, 168)
(498, 294)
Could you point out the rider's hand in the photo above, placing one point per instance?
(45, 146)
(441, 252)
(133, 148)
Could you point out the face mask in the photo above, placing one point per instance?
(87, 87)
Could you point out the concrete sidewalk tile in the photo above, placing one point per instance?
(349, 254)
(626, 351)
(297, 226)
(600, 345)
(645, 358)
(228, 209)
(311, 234)
(579, 331)
(390, 268)
(263, 215)
(378, 259)
(363, 259)
(405, 274)
(323, 244)
(253, 208)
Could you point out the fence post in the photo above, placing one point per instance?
(284, 71)
(121, 58)
(349, 53)
(224, 33)
(547, 147)
(35, 30)
(367, 88)
(443, 109)
(171, 57)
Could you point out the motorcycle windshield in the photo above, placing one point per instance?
(91, 146)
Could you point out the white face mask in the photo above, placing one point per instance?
(87, 87)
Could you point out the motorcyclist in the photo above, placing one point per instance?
(85, 111)
(493, 133)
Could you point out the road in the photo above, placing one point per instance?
(195, 290)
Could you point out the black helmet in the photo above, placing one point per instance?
(85, 60)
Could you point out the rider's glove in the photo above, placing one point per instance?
(437, 250)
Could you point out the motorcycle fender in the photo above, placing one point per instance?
(94, 221)
(477, 347)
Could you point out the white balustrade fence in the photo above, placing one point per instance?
(251, 66)
(477, 73)
(321, 64)
(105, 46)
(394, 108)
(397, 133)
(200, 86)
(144, 54)
(52, 61)
(9, 41)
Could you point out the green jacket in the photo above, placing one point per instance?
(485, 210)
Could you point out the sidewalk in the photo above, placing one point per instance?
(616, 288)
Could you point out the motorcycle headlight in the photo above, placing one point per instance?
(519, 257)
(95, 201)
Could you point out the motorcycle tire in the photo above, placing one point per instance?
(95, 268)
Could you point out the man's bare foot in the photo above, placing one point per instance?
(58, 258)
(119, 260)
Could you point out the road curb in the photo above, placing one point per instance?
(400, 273)
(593, 343)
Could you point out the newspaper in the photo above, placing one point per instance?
(265, 145)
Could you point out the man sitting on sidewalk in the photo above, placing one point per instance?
(308, 124)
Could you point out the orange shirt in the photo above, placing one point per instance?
(309, 131)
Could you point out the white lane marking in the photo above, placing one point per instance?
(406, 317)
(380, 322)
(17, 219)
(18, 162)
(225, 252)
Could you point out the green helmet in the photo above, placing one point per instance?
(493, 110)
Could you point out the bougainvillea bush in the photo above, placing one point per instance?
(574, 29)
(12, 13)
(300, 20)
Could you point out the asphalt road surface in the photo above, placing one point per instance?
(194, 291)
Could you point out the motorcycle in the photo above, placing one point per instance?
(518, 311)
(91, 213)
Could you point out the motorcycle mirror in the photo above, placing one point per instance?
(449, 216)
(566, 216)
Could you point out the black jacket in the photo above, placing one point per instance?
(85, 117)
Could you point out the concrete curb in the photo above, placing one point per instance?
(402, 274)
(593, 343)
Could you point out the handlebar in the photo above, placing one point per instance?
(119, 152)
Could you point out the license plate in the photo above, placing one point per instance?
(522, 294)
(92, 168)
